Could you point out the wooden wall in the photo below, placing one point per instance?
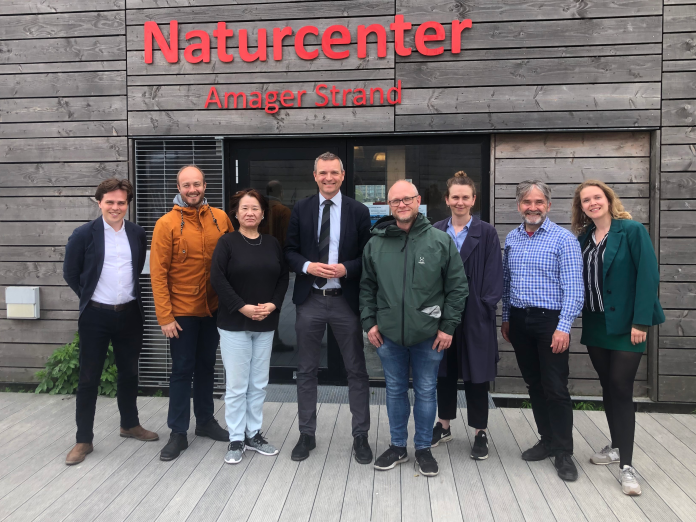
(563, 160)
(62, 130)
(74, 86)
(677, 218)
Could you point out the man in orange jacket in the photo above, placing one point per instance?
(186, 305)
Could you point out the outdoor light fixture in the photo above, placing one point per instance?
(22, 302)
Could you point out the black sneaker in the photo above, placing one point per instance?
(427, 465)
(361, 448)
(303, 447)
(566, 467)
(480, 449)
(390, 458)
(212, 430)
(539, 451)
(440, 434)
(177, 443)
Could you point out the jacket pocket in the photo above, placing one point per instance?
(426, 272)
(179, 250)
(185, 289)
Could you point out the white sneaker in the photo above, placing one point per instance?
(629, 482)
(608, 455)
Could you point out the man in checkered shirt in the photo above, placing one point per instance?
(543, 293)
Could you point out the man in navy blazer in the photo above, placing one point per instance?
(324, 245)
(103, 262)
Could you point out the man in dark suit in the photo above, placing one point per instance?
(103, 260)
(324, 245)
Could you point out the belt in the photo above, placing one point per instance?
(534, 309)
(329, 292)
(113, 308)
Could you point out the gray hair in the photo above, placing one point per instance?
(328, 156)
(524, 188)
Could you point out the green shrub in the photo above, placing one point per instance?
(588, 406)
(62, 372)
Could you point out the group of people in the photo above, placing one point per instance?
(425, 294)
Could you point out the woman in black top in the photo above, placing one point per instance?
(249, 274)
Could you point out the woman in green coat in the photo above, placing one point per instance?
(621, 280)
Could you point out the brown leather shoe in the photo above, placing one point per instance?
(78, 453)
(139, 433)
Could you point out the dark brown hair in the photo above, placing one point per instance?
(111, 184)
(460, 178)
(236, 198)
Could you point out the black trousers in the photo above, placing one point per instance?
(312, 317)
(545, 373)
(617, 371)
(476, 395)
(124, 329)
(194, 354)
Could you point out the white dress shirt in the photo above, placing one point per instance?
(115, 284)
(334, 236)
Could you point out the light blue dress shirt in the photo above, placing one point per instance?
(334, 236)
(461, 237)
(543, 271)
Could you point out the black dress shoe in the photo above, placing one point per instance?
(539, 451)
(212, 430)
(303, 447)
(177, 443)
(361, 448)
(566, 467)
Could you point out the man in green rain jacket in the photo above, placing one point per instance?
(412, 294)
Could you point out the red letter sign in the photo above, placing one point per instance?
(457, 28)
(171, 51)
(421, 38)
(299, 42)
(381, 40)
(327, 41)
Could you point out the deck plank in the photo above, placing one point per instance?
(213, 501)
(584, 490)
(45, 487)
(444, 499)
(687, 420)
(386, 490)
(334, 476)
(274, 493)
(242, 501)
(361, 480)
(140, 486)
(558, 494)
(531, 499)
(30, 409)
(125, 480)
(649, 458)
(74, 497)
(30, 468)
(669, 441)
(649, 506)
(159, 497)
(415, 494)
(303, 492)
(58, 420)
(473, 502)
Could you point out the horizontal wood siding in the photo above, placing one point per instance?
(63, 129)
(677, 379)
(563, 160)
(74, 86)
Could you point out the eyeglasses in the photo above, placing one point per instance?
(406, 201)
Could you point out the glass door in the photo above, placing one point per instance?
(282, 170)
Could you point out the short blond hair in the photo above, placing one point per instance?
(579, 220)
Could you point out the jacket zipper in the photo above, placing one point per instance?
(403, 294)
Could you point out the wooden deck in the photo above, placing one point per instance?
(124, 480)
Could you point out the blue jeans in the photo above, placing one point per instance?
(424, 363)
(247, 358)
(193, 360)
